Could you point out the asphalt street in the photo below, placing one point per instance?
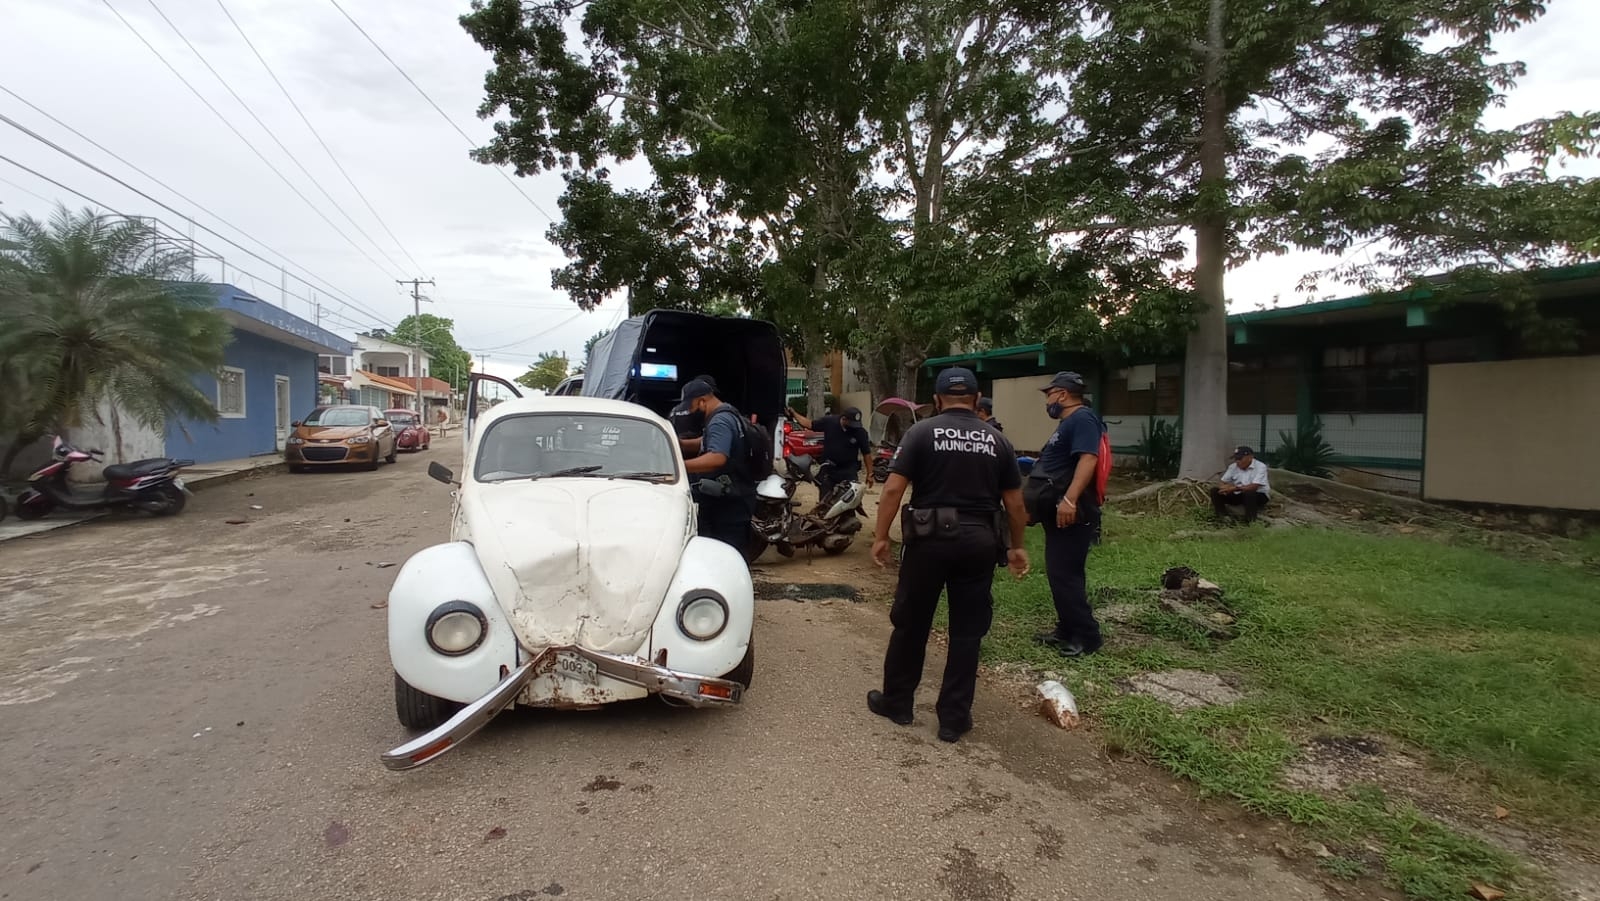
(194, 709)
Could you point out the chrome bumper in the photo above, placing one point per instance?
(696, 691)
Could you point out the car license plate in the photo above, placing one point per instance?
(577, 668)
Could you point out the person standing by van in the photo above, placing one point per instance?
(724, 493)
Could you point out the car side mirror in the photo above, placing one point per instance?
(295, 424)
(439, 472)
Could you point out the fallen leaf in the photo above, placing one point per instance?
(257, 507)
(383, 565)
(380, 605)
(496, 832)
(1501, 813)
(1486, 892)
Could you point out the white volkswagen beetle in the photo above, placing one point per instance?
(573, 578)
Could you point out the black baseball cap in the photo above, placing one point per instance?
(1243, 450)
(697, 389)
(1069, 380)
(707, 379)
(986, 403)
(852, 413)
(955, 381)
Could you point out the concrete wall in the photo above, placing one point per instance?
(1518, 432)
(138, 443)
(256, 432)
(1020, 408)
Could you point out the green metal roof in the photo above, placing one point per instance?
(1021, 350)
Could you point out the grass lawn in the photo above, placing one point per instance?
(1487, 666)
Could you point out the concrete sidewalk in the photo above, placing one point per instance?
(197, 478)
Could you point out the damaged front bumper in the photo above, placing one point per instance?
(696, 691)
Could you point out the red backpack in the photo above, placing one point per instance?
(1102, 467)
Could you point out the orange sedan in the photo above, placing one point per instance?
(335, 436)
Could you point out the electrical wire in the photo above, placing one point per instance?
(318, 135)
(25, 190)
(537, 335)
(436, 108)
(99, 203)
(270, 133)
(325, 285)
(80, 160)
(240, 135)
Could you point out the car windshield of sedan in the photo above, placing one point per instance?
(338, 416)
(401, 419)
(578, 445)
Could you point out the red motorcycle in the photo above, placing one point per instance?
(149, 485)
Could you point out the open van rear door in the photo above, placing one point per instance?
(475, 402)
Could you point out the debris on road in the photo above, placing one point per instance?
(236, 522)
(384, 565)
(1486, 892)
(496, 832)
(1197, 601)
(1057, 705)
(336, 834)
(1501, 813)
(257, 507)
(380, 605)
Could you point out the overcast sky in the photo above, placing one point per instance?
(460, 222)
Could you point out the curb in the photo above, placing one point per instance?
(223, 478)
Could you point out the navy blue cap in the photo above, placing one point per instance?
(955, 381)
(696, 389)
(1071, 381)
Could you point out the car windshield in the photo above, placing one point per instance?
(338, 416)
(579, 445)
(400, 418)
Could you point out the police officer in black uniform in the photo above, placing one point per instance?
(986, 413)
(966, 505)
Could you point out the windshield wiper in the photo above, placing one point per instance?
(642, 476)
(574, 471)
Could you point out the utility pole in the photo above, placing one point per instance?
(416, 348)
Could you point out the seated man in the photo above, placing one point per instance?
(1244, 483)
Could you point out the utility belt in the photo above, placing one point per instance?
(724, 486)
(921, 525)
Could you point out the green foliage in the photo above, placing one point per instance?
(546, 374)
(1160, 448)
(1486, 667)
(1305, 451)
(450, 363)
(97, 309)
(829, 402)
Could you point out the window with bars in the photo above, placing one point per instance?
(230, 393)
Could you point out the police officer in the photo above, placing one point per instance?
(986, 413)
(1072, 525)
(685, 421)
(843, 439)
(966, 500)
(724, 492)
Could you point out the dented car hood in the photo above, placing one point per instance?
(578, 561)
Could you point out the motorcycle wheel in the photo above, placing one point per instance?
(755, 547)
(167, 500)
(2, 508)
(835, 550)
(33, 511)
(785, 548)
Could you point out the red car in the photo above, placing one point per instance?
(798, 441)
(410, 432)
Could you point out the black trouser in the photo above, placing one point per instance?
(835, 473)
(963, 567)
(726, 519)
(1066, 553)
(1251, 501)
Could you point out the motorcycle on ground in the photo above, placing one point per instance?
(150, 485)
(831, 524)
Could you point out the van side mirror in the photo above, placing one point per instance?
(295, 424)
(440, 472)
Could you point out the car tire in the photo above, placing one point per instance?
(746, 668)
(394, 454)
(372, 465)
(419, 710)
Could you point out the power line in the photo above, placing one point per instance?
(80, 160)
(244, 140)
(24, 190)
(271, 134)
(318, 135)
(436, 108)
(325, 284)
(538, 335)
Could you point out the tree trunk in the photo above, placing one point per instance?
(905, 377)
(1205, 376)
(116, 432)
(878, 378)
(816, 385)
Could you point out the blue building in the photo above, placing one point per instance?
(269, 380)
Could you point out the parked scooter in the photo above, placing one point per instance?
(881, 458)
(150, 485)
(831, 525)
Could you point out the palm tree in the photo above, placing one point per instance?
(97, 309)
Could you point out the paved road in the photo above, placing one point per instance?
(192, 709)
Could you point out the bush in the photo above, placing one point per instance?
(1305, 452)
(1160, 449)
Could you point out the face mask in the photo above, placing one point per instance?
(1054, 409)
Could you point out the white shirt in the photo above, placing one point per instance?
(1254, 474)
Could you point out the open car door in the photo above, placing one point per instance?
(476, 403)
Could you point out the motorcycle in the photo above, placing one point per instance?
(149, 485)
(881, 460)
(831, 525)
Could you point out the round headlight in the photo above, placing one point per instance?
(703, 615)
(456, 628)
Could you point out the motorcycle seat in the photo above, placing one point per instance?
(136, 469)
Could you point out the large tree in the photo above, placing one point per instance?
(435, 336)
(99, 310)
(1255, 127)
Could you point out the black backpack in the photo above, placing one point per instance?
(753, 458)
